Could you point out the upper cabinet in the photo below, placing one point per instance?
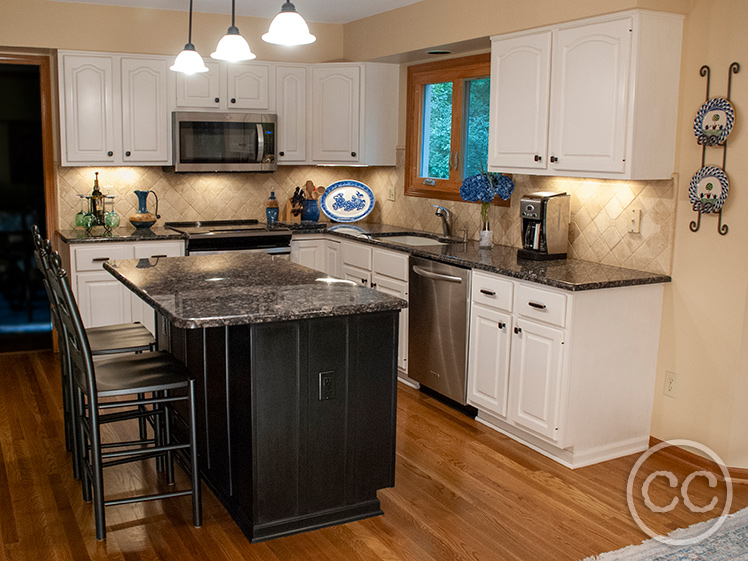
(596, 98)
(226, 86)
(291, 102)
(114, 110)
(354, 113)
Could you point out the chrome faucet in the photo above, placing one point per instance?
(446, 216)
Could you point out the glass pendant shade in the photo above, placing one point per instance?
(189, 61)
(233, 47)
(289, 28)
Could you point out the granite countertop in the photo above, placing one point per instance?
(121, 234)
(240, 288)
(567, 274)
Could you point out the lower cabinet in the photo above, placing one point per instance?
(102, 299)
(571, 374)
(317, 252)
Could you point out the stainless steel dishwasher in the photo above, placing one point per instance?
(438, 311)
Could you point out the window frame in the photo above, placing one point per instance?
(455, 70)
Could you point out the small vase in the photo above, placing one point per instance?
(486, 236)
(310, 210)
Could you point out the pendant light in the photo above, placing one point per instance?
(289, 28)
(233, 47)
(189, 61)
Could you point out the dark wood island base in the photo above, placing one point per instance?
(296, 419)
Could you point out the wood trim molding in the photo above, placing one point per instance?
(738, 475)
(43, 62)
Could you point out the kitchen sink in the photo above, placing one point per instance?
(408, 240)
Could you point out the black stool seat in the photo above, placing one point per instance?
(144, 373)
(120, 338)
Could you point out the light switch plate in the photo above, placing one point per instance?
(635, 220)
(391, 194)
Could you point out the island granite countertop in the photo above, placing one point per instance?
(241, 288)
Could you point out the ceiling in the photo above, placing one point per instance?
(320, 11)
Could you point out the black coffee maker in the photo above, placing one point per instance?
(545, 225)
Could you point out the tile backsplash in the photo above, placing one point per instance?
(600, 209)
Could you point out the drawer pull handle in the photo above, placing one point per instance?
(518, 330)
(99, 259)
(537, 305)
(487, 292)
(158, 256)
(502, 325)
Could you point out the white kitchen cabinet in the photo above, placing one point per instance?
(333, 263)
(102, 299)
(291, 102)
(114, 110)
(309, 251)
(583, 99)
(244, 85)
(570, 374)
(354, 113)
(399, 289)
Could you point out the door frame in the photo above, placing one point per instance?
(43, 62)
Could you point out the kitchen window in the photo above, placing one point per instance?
(447, 125)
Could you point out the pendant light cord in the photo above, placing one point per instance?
(189, 34)
(233, 12)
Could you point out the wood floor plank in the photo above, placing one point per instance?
(463, 492)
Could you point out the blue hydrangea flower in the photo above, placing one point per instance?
(484, 187)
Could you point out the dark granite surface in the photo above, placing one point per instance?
(567, 274)
(240, 288)
(121, 234)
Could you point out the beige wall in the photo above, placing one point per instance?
(89, 27)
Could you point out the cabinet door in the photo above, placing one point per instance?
(145, 112)
(359, 276)
(309, 253)
(488, 359)
(248, 86)
(335, 113)
(291, 107)
(520, 78)
(202, 89)
(535, 377)
(332, 258)
(590, 92)
(102, 299)
(397, 288)
(88, 134)
(141, 311)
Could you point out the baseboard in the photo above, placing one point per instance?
(737, 475)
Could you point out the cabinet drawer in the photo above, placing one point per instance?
(91, 258)
(543, 305)
(151, 250)
(493, 291)
(358, 255)
(391, 264)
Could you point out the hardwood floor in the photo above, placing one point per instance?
(463, 492)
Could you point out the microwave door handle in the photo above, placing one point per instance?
(260, 143)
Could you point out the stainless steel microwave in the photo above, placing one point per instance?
(214, 141)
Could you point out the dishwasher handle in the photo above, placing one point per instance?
(435, 276)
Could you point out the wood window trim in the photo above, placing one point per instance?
(456, 69)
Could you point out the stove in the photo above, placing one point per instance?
(218, 236)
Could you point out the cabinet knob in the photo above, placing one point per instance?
(363, 281)
(233, 100)
(373, 285)
(502, 325)
(281, 153)
(127, 153)
(110, 153)
(554, 159)
(538, 157)
(217, 99)
(518, 330)
(353, 154)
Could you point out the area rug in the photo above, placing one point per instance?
(729, 543)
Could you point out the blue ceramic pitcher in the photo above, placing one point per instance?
(142, 218)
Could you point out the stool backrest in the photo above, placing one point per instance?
(74, 334)
(42, 251)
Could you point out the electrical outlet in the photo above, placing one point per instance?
(670, 384)
(391, 194)
(327, 386)
(635, 220)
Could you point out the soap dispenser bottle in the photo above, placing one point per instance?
(271, 210)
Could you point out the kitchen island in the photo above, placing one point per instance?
(296, 384)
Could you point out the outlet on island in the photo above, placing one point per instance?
(326, 385)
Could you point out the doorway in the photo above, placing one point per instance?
(26, 193)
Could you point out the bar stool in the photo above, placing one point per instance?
(101, 387)
(103, 340)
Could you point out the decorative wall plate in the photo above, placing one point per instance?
(347, 201)
(714, 121)
(708, 189)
